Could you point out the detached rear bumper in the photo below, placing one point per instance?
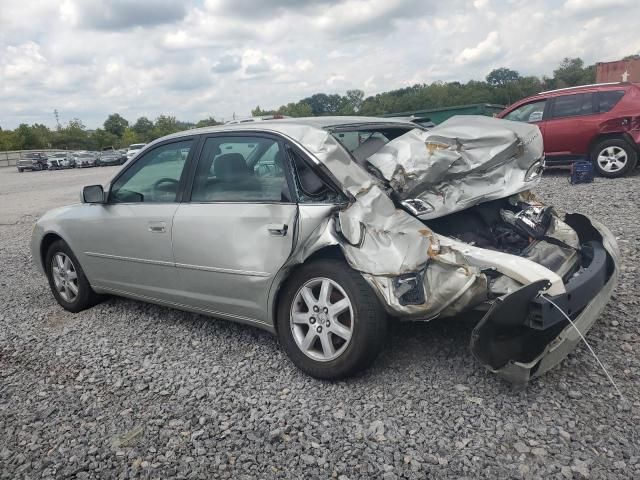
(507, 342)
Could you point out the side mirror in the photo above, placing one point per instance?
(93, 194)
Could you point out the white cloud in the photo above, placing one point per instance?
(585, 6)
(198, 58)
(23, 62)
(486, 51)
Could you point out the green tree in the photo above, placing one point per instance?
(501, 77)
(8, 140)
(101, 139)
(129, 137)
(207, 122)
(144, 128)
(352, 102)
(27, 137)
(300, 109)
(165, 125)
(572, 72)
(115, 124)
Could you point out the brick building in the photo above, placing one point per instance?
(618, 71)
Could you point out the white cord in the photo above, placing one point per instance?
(587, 344)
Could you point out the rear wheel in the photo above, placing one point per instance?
(21, 170)
(614, 158)
(330, 323)
(67, 280)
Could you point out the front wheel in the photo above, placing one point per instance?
(20, 170)
(67, 280)
(614, 158)
(330, 323)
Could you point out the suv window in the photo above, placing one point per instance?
(530, 112)
(154, 177)
(240, 169)
(608, 99)
(573, 105)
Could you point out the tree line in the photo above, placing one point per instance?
(116, 132)
(501, 86)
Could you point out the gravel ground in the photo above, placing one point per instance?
(127, 389)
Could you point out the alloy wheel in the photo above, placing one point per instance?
(65, 277)
(322, 319)
(612, 159)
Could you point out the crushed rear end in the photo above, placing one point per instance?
(443, 221)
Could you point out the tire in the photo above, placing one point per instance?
(364, 319)
(21, 170)
(85, 296)
(613, 158)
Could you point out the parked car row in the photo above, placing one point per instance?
(76, 159)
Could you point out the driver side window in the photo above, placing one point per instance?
(531, 112)
(154, 177)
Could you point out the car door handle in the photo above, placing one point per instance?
(278, 229)
(157, 227)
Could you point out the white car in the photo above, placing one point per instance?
(59, 160)
(133, 150)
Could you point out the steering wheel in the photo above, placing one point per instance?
(157, 190)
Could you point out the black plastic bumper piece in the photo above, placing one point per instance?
(580, 289)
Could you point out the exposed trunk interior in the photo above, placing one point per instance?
(517, 229)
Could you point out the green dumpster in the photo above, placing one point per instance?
(439, 115)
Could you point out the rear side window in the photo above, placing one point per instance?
(608, 99)
(240, 169)
(573, 105)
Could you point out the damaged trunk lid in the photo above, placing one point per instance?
(460, 163)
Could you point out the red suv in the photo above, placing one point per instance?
(600, 123)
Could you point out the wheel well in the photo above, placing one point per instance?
(330, 252)
(47, 241)
(607, 136)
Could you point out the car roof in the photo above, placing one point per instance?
(289, 125)
(591, 87)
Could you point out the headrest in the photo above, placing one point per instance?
(229, 165)
(367, 148)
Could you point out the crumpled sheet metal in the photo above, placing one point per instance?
(382, 241)
(462, 162)
(378, 238)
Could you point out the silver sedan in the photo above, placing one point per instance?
(321, 230)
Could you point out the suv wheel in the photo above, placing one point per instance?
(67, 280)
(614, 158)
(21, 170)
(330, 323)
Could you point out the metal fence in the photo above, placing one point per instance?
(10, 158)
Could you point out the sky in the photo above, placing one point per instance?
(199, 58)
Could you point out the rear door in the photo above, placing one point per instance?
(571, 125)
(235, 229)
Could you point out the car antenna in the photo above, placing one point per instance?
(545, 297)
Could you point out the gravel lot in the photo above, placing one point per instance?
(129, 390)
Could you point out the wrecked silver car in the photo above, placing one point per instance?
(321, 229)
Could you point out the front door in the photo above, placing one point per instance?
(236, 231)
(126, 242)
(532, 112)
(571, 125)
